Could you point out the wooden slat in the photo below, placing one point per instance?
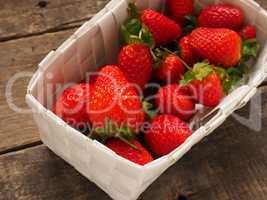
(29, 17)
(23, 56)
(24, 18)
(230, 164)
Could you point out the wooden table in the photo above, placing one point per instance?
(230, 164)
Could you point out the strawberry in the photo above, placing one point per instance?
(248, 32)
(115, 100)
(172, 99)
(179, 9)
(209, 91)
(71, 105)
(220, 46)
(163, 29)
(140, 156)
(166, 133)
(186, 52)
(135, 61)
(221, 16)
(204, 83)
(171, 69)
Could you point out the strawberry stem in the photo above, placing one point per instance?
(127, 142)
(182, 61)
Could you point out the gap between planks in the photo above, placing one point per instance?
(21, 147)
(70, 25)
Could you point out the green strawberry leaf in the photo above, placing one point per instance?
(239, 70)
(232, 76)
(133, 26)
(221, 72)
(199, 72)
(135, 40)
(109, 130)
(133, 31)
(125, 132)
(192, 24)
(225, 79)
(250, 49)
(187, 78)
(200, 65)
(147, 107)
(227, 85)
(202, 70)
(125, 34)
(147, 37)
(130, 31)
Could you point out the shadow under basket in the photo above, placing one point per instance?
(97, 43)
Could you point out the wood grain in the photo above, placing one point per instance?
(23, 56)
(229, 164)
(25, 18)
(19, 18)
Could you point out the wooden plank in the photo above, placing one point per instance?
(230, 164)
(263, 3)
(29, 17)
(23, 56)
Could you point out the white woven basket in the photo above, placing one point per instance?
(97, 43)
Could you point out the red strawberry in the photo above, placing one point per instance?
(140, 156)
(163, 29)
(178, 9)
(186, 52)
(171, 69)
(171, 99)
(248, 32)
(135, 61)
(209, 91)
(219, 46)
(204, 84)
(114, 99)
(71, 105)
(166, 133)
(221, 16)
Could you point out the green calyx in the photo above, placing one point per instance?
(148, 109)
(112, 131)
(134, 32)
(230, 77)
(250, 49)
(199, 72)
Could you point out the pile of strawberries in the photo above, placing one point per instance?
(140, 106)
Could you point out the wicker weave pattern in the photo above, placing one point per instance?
(94, 44)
